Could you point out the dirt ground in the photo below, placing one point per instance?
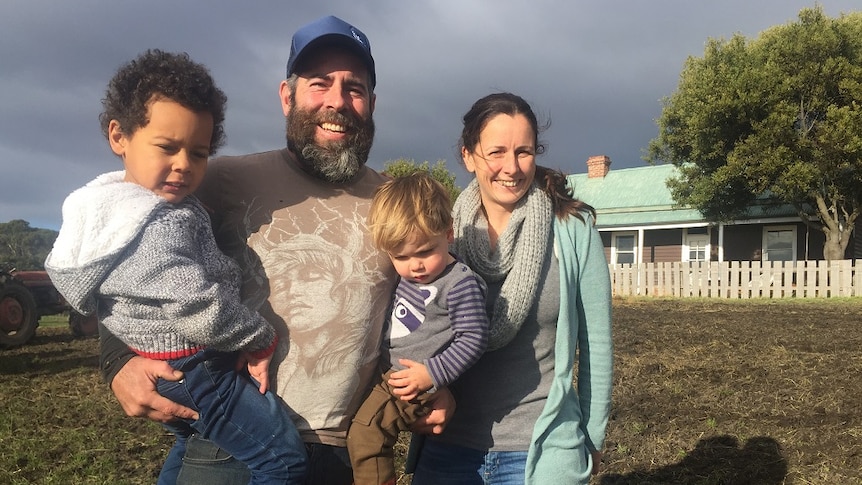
(707, 392)
(720, 392)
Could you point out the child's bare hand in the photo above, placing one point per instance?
(410, 382)
(259, 369)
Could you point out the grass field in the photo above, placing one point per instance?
(51, 321)
(707, 392)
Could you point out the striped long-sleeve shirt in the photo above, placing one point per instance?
(442, 324)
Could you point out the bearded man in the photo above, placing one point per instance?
(330, 309)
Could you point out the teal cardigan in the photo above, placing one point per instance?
(572, 423)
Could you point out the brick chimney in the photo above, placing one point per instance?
(598, 166)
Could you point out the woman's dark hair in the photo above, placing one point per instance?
(156, 75)
(552, 182)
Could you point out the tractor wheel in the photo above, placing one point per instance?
(18, 315)
(83, 325)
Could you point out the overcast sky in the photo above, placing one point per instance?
(597, 68)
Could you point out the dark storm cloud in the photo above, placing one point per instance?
(598, 69)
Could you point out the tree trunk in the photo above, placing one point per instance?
(837, 239)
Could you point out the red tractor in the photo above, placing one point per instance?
(27, 296)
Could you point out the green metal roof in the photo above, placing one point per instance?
(639, 197)
(633, 197)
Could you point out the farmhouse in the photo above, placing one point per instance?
(639, 223)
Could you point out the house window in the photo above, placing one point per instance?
(696, 248)
(624, 248)
(779, 243)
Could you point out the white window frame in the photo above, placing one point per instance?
(686, 246)
(766, 230)
(615, 252)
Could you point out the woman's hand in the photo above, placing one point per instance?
(442, 404)
(597, 462)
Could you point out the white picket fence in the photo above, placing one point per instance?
(739, 279)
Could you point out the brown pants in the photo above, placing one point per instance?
(375, 429)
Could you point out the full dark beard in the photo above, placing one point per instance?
(335, 162)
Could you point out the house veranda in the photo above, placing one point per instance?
(655, 248)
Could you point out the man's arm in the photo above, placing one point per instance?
(113, 354)
(133, 381)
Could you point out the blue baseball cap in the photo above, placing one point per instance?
(330, 31)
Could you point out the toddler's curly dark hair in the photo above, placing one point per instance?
(155, 75)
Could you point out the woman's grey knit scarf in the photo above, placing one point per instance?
(517, 259)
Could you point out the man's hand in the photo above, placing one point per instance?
(135, 388)
(408, 383)
(442, 405)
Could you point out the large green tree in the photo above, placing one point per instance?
(439, 172)
(775, 118)
(23, 247)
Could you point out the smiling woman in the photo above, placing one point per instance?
(518, 226)
(503, 161)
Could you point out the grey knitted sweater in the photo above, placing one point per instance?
(153, 272)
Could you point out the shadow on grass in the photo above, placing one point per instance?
(51, 350)
(716, 461)
(36, 365)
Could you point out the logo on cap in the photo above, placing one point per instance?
(357, 36)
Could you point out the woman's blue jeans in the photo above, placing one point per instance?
(255, 428)
(456, 465)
